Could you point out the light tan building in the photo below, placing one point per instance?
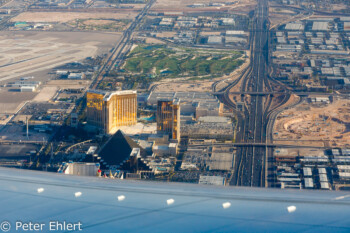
(168, 118)
(111, 110)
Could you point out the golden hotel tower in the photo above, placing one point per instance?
(168, 118)
(111, 110)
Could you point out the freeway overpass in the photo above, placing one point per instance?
(263, 93)
(256, 144)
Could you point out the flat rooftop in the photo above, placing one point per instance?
(107, 95)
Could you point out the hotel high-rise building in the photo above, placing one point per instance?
(111, 110)
(168, 118)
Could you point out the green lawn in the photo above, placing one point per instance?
(160, 60)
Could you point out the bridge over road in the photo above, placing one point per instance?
(256, 144)
(281, 93)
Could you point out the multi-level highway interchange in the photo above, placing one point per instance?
(251, 162)
(293, 72)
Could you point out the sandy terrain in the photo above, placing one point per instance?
(279, 16)
(166, 34)
(242, 6)
(28, 52)
(281, 11)
(36, 53)
(98, 22)
(63, 17)
(151, 40)
(328, 124)
(46, 94)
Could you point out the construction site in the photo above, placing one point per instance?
(317, 123)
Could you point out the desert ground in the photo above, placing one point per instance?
(242, 6)
(324, 124)
(23, 53)
(28, 53)
(63, 17)
(278, 16)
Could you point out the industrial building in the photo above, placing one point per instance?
(194, 104)
(219, 128)
(76, 76)
(212, 180)
(79, 169)
(232, 39)
(294, 26)
(25, 86)
(236, 33)
(228, 21)
(221, 161)
(168, 118)
(320, 26)
(323, 42)
(110, 110)
(214, 40)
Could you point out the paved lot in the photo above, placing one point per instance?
(16, 150)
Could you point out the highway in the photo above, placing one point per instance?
(250, 164)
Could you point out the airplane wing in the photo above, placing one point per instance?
(108, 205)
